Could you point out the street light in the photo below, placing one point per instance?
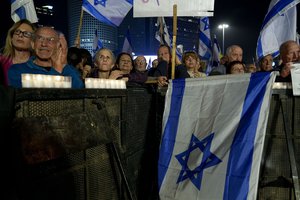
(223, 26)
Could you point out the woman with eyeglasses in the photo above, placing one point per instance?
(17, 47)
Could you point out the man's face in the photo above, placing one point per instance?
(266, 63)
(236, 55)
(164, 54)
(140, 63)
(46, 43)
(291, 53)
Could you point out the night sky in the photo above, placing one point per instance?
(244, 18)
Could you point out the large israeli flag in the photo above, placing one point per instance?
(213, 136)
(23, 9)
(205, 47)
(111, 12)
(279, 25)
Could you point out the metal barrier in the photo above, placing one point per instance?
(84, 168)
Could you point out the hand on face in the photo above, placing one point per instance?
(286, 70)
(59, 57)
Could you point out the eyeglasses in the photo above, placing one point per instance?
(140, 62)
(26, 34)
(50, 40)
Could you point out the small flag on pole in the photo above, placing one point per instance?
(216, 53)
(279, 25)
(162, 33)
(127, 45)
(111, 12)
(204, 39)
(23, 9)
(97, 44)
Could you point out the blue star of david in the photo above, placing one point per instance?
(101, 2)
(208, 160)
(206, 23)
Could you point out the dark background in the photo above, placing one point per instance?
(244, 18)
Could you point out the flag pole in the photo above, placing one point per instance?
(174, 40)
(161, 30)
(77, 40)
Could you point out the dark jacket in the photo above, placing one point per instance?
(163, 69)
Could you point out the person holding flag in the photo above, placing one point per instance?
(279, 26)
(163, 70)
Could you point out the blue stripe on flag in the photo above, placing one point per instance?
(241, 154)
(259, 50)
(275, 10)
(170, 132)
(21, 12)
(207, 43)
(97, 14)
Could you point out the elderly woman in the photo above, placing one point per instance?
(104, 61)
(236, 67)
(124, 70)
(17, 47)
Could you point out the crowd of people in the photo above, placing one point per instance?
(44, 50)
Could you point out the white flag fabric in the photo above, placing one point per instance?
(127, 45)
(111, 12)
(213, 136)
(23, 9)
(164, 36)
(161, 8)
(278, 26)
(205, 46)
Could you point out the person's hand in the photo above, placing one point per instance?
(59, 58)
(86, 71)
(177, 60)
(286, 70)
(162, 81)
(116, 74)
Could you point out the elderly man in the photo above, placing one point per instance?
(289, 53)
(50, 58)
(233, 53)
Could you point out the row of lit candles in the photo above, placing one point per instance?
(104, 83)
(49, 81)
(45, 81)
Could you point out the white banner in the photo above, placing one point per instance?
(160, 8)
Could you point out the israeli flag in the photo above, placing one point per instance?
(97, 44)
(111, 12)
(127, 45)
(279, 25)
(216, 53)
(23, 9)
(162, 33)
(213, 136)
(205, 47)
